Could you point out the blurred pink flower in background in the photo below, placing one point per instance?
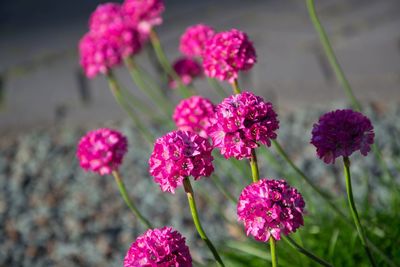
(187, 69)
(227, 53)
(102, 150)
(177, 155)
(162, 247)
(193, 40)
(194, 114)
(270, 207)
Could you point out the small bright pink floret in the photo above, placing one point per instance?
(194, 114)
(227, 53)
(144, 14)
(340, 133)
(270, 208)
(97, 55)
(241, 122)
(177, 155)
(194, 39)
(163, 247)
(104, 16)
(102, 150)
(187, 69)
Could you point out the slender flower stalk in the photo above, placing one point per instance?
(274, 257)
(254, 166)
(162, 58)
(153, 94)
(121, 186)
(353, 209)
(235, 86)
(193, 209)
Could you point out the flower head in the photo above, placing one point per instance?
(340, 133)
(227, 53)
(270, 207)
(144, 14)
(177, 155)
(194, 114)
(162, 247)
(105, 16)
(97, 55)
(194, 39)
(187, 69)
(241, 122)
(102, 150)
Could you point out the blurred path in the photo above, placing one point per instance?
(291, 69)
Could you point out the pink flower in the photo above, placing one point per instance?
(194, 39)
(270, 207)
(340, 133)
(104, 17)
(187, 69)
(227, 53)
(241, 122)
(144, 14)
(102, 150)
(162, 247)
(177, 155)
(97, 55)
(194, 114)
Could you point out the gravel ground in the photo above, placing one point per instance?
(54, 214)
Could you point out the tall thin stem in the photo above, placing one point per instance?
(129, 203)
(235, 86)
(353, 209)
(196, 220)
(274, 257)
(254, 166)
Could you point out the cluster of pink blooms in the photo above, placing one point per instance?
(163, 247)
(177, 155)
(187, 69)
(194, 114)
(340, 133)
(270, 207)
(102, 150)
(227, 53)
(194, 39)
(241, 122)
(115, 32)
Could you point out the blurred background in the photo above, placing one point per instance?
(53, 214)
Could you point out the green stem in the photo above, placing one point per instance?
(274, 257)
(236, 88)
(307, 253)
(128, 202)
(331, 56)
(254, 166)
(116, 91)
(196, 220)
(147, 90)
(353, 209)
(162, 58)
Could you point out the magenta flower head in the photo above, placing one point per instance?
(340, 133)
(177, 155)
(105, 16)
(241, 122)
(194, 114)
(227, 53)
(270, 207)
(162, 247)
(102, 150)
(97, 55)
(144, 14)
(187, 69)
(194, 39)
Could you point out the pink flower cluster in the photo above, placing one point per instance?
(187, 69)
(144, 14)
(227, 53)
(194, 114)
(340, 133)
(162, 247)
(194, 39)
(241, 122)
(270, 207)
(102, 150)
(177, 155)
